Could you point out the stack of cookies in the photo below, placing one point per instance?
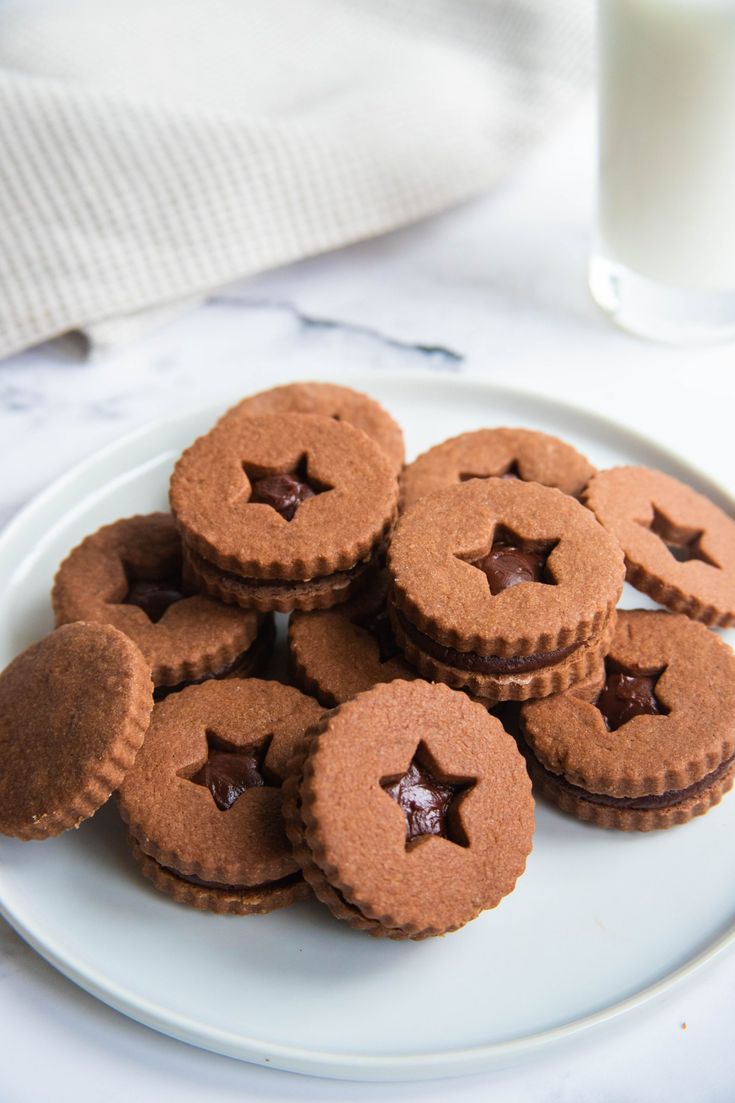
(453, 633)
(283, 511)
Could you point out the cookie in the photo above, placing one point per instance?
(679, 546)
(203, 801)
(657, 747)
(214, 898)
(74, 709)
(328, 400)
(251, 664)
(283, 511)
(129, 574)
(503, 587)
(337, 653)
(409, 811)
(504, 453)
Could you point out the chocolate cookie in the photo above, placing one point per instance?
(250, 664)
(658, 745)
(283, 511)
(679, 547)
(129, 574)
(329, 400)
(505, 587)
(503, 453)
(340, 652)
(410, 811)
(214, 898)
(509, 712)
(74, 708)
(203, 799)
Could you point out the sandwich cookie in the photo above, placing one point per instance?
(501, 453)
(657, 747)
(203, 801)
(129, 574)
(503, 587)
(410, 810)
(283, 511)
(679, 546)
(328, 400)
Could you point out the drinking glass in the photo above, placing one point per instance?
(663, 263)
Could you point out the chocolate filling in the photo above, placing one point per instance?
(512, 560)
(155, 595)
(228, 774)
(284, 493)
(425, 802)
(642, 804)
(192, 879)
(507, 565)
(229, 771)
(483, 664)
(626, 694)
(279, 583)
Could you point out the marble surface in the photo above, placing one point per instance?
(496, 288)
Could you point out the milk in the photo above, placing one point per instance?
(667, 140)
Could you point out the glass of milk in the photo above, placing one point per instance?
(664, 260)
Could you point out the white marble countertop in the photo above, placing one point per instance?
(496, 288)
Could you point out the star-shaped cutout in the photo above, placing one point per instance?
(284, 491)
(512, 560)
(510, 472)
(154, 595)
(229, 771)
(628, 693)
(428, 802)
(683, 543)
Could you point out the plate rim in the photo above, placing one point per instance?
(310, 1061)
(376, 1068)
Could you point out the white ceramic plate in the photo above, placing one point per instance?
(600, 921)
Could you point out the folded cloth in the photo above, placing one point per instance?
(153, 150)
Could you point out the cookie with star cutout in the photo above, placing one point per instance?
(203, 802)
(669, 702)
(503, 587)
(328, 400)
(129, 574)
(409, 810)
(283, 511)
(679, 546)
(499, 453)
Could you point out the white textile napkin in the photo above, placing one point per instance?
(153, 150)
